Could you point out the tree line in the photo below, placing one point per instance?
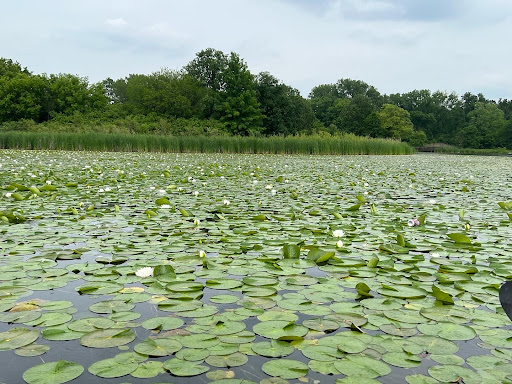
(216, 94)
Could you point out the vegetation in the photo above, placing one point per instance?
(473, 151)
(215, 94)
(346, 144)
(220, 268)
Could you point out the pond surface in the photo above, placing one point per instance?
(159, 268)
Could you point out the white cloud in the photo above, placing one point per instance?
(119, 22)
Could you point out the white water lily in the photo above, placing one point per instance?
(226, 202)
(202, 254)
(145, 272)
(339, 243)
(413, 222)
(338, 233)
(197, 222)
(273, 191)
(165, 206)
(195, 193)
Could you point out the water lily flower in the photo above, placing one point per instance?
(413, 222)
(339, 243)
(338, 233)
(197, 222)
(273, 191)
(195, 193)
(202, 254)
(165, 206)
(268, 186)
(145, 272)
(226, 202)
(432, 201)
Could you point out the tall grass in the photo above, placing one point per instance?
(473, 151)
(315, 145)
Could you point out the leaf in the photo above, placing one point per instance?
(373, 262)
(158, 347)
(110, 368)
(32, 350)
(107, 338)
(17, 337)
(180, 367)
(285, 368)
(362, 366)
(273, 348)
(442, 296)
(164, 272)
(354, 207)
(459, 238)
(58, 372)
(363, 290)
(226, 361)
(291, 251)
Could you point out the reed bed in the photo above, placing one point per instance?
(315, 145)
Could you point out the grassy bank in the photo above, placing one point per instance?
(473, 151)
(320, 145)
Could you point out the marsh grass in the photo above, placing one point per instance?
(315, 145)
(473, 151)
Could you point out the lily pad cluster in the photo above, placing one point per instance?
(253, 269)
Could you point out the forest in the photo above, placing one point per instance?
(215, 94)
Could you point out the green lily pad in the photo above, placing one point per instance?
(32, 350)
(280, 330)
(57, 372)
(17, 337)
(273, 348)
(285, 368)
(110, 368)
(158, 347)
(107, 338)
(180, 367)
(226, 361)
(452, 373)
(148, 370)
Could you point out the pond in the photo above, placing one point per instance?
(159, 268)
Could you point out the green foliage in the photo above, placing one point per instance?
(216, 94)
(486, 126)
(315, 145)
(396, 123)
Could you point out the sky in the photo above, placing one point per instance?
(395, 45)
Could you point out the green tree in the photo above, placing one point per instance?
(21, 97)
(486, 128)
(396, 123)
(285, 111)
(238, 105)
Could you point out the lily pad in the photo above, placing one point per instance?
(285, 368)
(57, 372)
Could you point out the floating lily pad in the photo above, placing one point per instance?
(107, 338)
(285, 368)
(17, 337)
(58, 372)
(110, 368)
(180, 367)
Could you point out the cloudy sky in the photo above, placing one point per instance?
(395, 45)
